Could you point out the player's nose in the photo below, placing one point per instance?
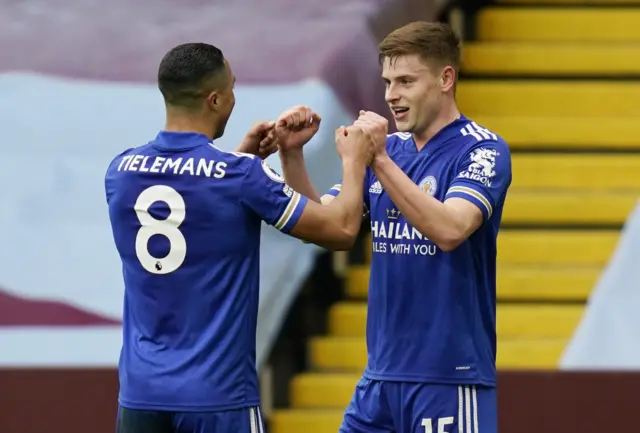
(391, 96)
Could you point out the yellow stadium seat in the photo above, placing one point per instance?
(565, 133)
(550, 284)
(537, 321)
(530, 354)
(338, 353)
(589, 208)
(595, 172)
(532, 24)
(565, 248)
(514, 283)
(571, 2)
(557, 98)
(558, 59)
(349, 354)
(307, 421)
(348, 319)
(532, 248)
(322, 390)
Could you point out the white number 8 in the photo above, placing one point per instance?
(167, 227)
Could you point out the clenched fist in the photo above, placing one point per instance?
(377, 126)
(295, 127)
(354, 144)
(260, 140)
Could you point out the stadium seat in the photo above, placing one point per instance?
(558, 59)
(549, 98)
(528, 321)
(571, 2)
(595, 172)
(328, 390)
(349, 354)
(568, 208)
(534, 24)
(581, 133)
(307, 421)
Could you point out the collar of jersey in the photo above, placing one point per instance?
(180, 140)
(441, 137)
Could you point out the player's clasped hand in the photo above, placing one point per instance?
(295, 127)
(377, 126)
(354, 143)
(260, 140)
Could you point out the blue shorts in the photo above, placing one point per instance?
(403, 407)
(247, 420)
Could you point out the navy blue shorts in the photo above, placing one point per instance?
(247, 420)
(403, 407)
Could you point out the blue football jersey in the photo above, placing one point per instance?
(432, 314)
(186, 220)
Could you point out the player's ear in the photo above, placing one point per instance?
(213, 101)
(447, 78)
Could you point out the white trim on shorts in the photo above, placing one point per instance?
(255, 420)
(467, 409)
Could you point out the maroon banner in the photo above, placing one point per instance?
(81, 401)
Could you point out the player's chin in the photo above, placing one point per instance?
(402, 125)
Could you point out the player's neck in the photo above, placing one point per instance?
(189, 123)
(447, 115)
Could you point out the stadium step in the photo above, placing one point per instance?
(349, 354)
(568, 208)
(573, 133)
(570, 24)
(553, 59)
(307, 421)
(322, 390)
(598, 172)
(566, 249)
(554, 98)
(341, 354)
(570, 2)
(514, 283)
(531, 249)
(522, 321)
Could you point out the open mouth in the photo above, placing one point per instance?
(399, 112)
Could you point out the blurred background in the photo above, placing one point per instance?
(559, 80)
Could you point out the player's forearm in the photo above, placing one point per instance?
(347, 208)
(296, 175)
(428, 215)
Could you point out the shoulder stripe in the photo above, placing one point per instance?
(475, 194)
(288, 211)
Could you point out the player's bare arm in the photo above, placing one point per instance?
(447, 224)
(336, 226)
(293, 129)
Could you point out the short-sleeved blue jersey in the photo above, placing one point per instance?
(186, 219)
(432, 314)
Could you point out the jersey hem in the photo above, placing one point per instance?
(188, 408)
(430, 379)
